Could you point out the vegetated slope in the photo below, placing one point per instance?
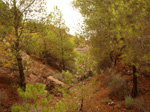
(82, 49)
(141, 103)
(94, 94)
(35, 71)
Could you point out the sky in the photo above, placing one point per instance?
(71, 16)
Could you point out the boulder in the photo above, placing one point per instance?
(55, 81)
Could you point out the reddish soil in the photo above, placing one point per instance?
(8, 93)
(9, 96)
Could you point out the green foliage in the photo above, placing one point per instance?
(78, 40)
(129, 102)
(119, 105)
(5, 26)
(12, 12)
(65, 55)
(73, 99)
(38, 95)
(117, 26)
(7, 54)
(84, 63)
(50, 42)
(40, 101)
(68, 78)
(37, 90)
(106, 100)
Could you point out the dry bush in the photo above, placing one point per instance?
(139, 104)
(106, 100)
(3, 98)
(116, 85)
(107, 76)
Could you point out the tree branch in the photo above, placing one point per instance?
(28, 6)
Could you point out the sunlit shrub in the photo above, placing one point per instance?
(38, 95)
(106, 100)
(129, 102)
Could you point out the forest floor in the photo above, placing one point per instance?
(9, 96)
(9, 85)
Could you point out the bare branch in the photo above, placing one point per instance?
(23, 26)
(28, 6)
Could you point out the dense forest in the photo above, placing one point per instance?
(105, 67)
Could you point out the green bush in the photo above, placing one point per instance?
(129, 102)
(119, 105)
(38, 95)
(68, 77)
(106, 100)
(42, 103)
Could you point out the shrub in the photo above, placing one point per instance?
(104, 63)
(119, 105)
(80, 95)
(106, 100)
(116, 85)
(128, 102)
(139, 103)
(3, 96)
(68, 77)
(146, 109)
(38, 95)
(3, 99)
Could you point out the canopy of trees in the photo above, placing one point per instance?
(117, 27)
(50, 41)
(12, 20)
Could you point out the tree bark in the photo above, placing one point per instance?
(111, 56)
(134, 92)
(62, 51)
(63, 62)
(21, 72)
(17, 48)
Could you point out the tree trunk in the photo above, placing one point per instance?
(21, 72)
(62, 51)
(134, 89)
(63, 62)
(115, 61)
(17, 48)
(45, 53)
(113, 58)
